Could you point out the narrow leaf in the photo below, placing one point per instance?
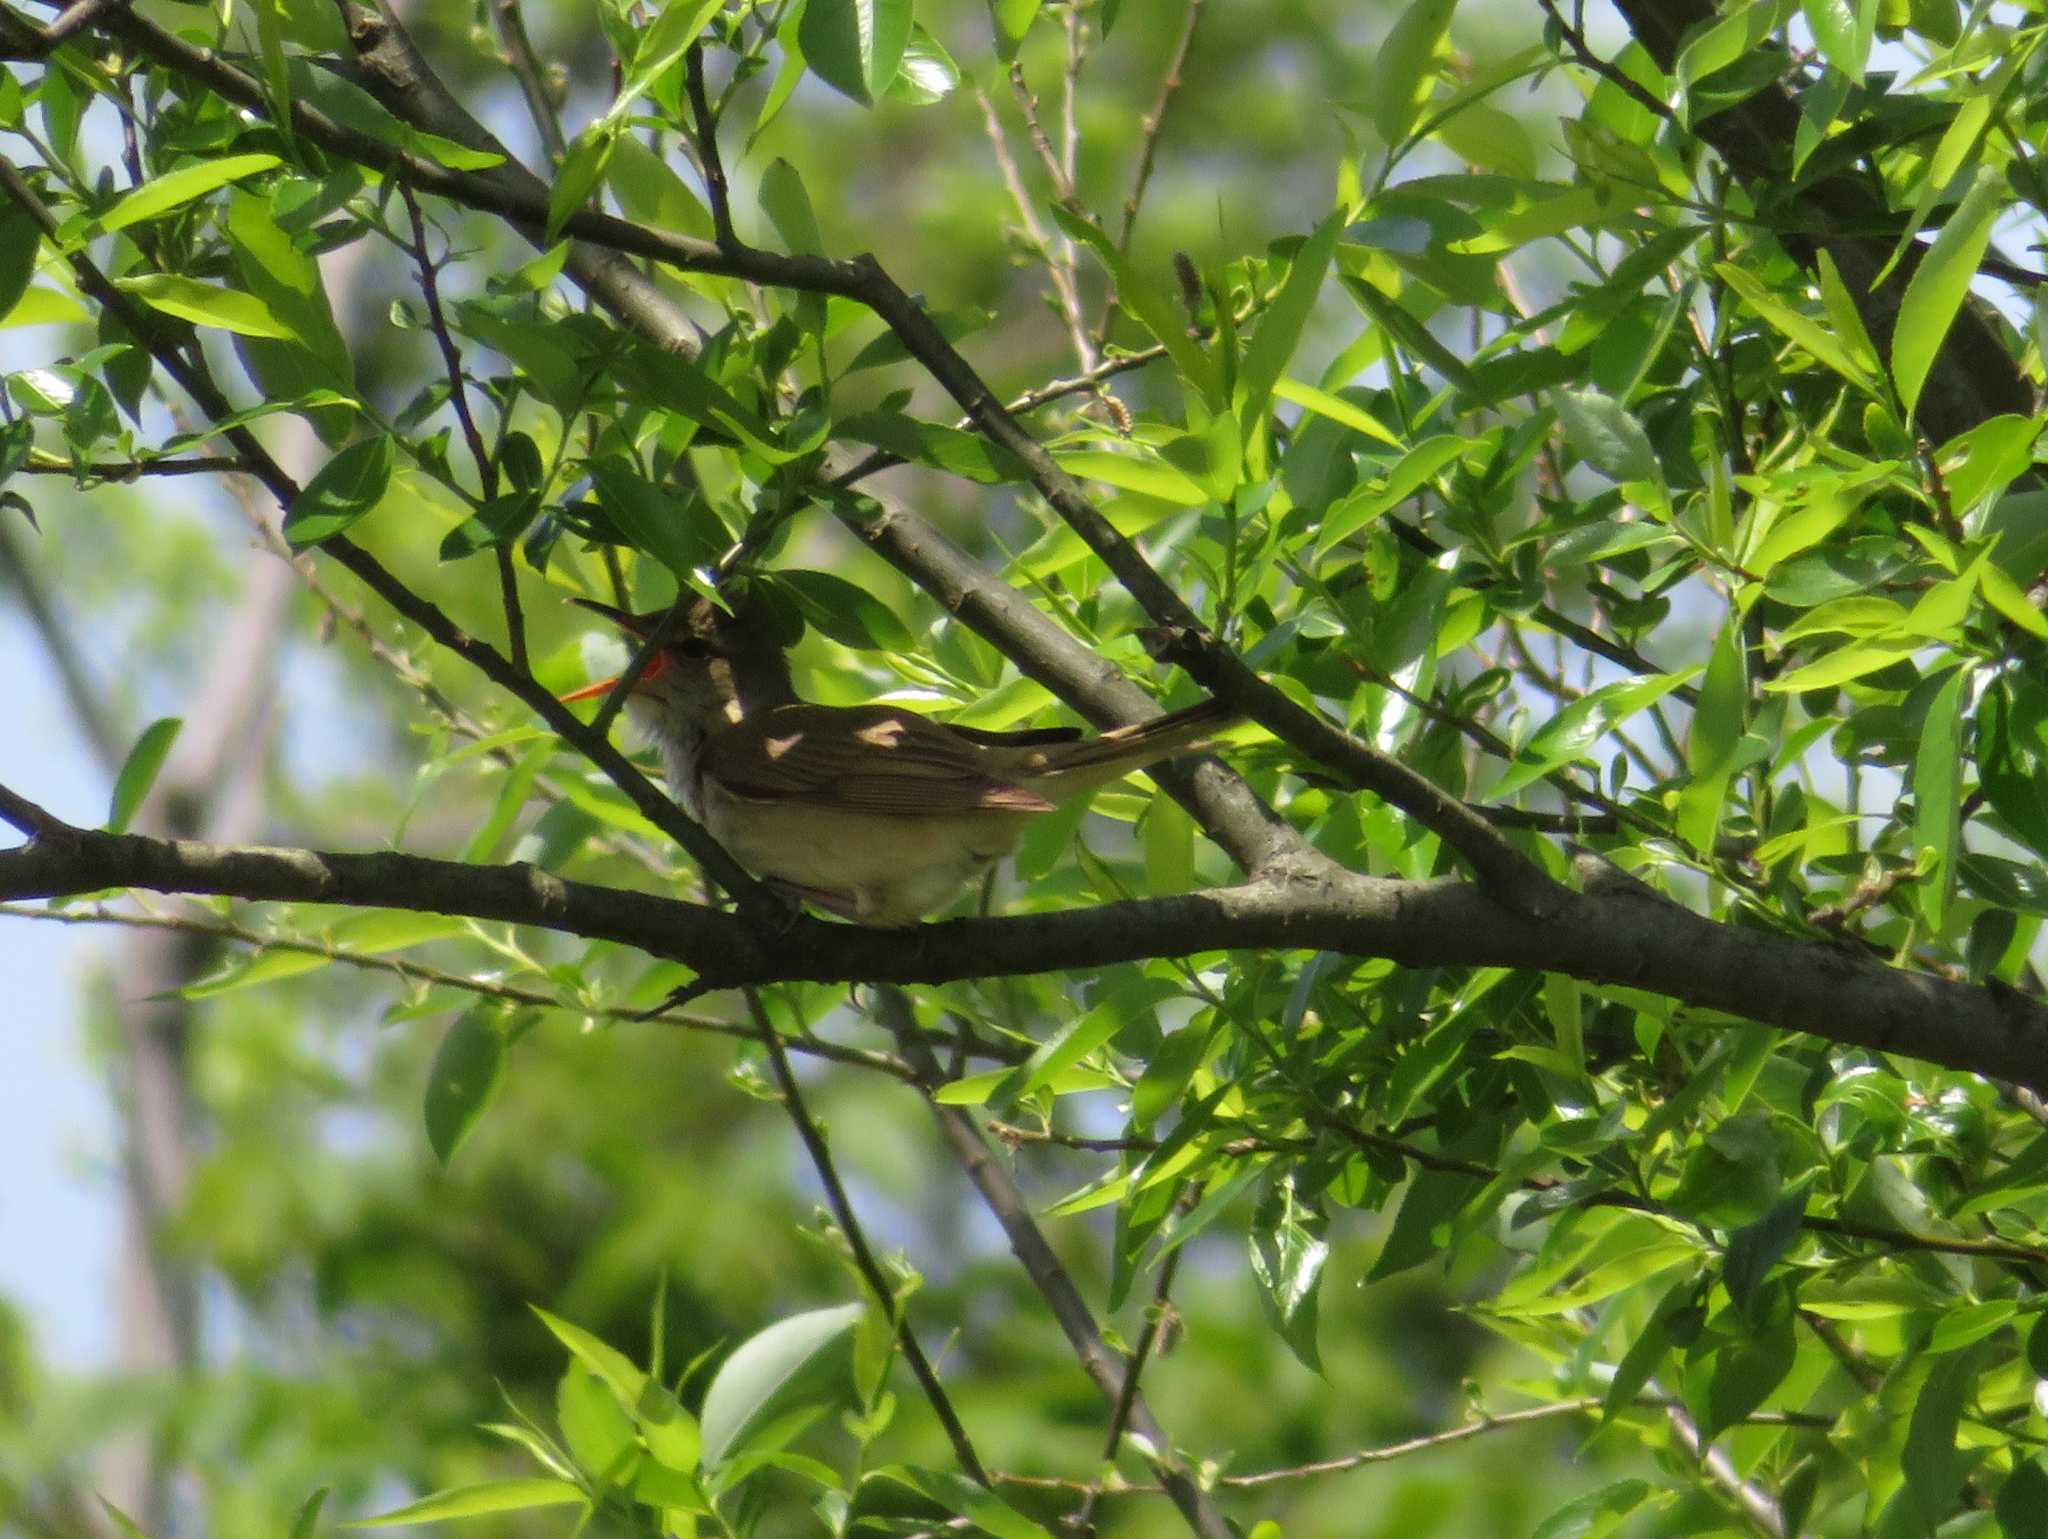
(1940, 283)
(1279, 333)
(139, 772)
(161, 194)
(1937, 793)
(204, 305)
(475, 1501)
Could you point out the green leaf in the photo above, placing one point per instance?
(1289, 1246)
(1417, 468)
(855, 46)
(1595, 1514)
(205, 305)
(1819, 341)
(1755, 1248)
(1012, 20)
(308, 1519)
(593, 1423)
(650, 192)
(20, 241)
(139, 771)
(2022, 1508)
(124, 1524)
(754, 1378)
(1145, 303)
(467, 1071)
(1647, 1351)
(1743, 1374)
(477, 1500)
(1404, 71)
(1719, 719)
(1938, 286)
(606, 1361)
(1937, 794)
(848, 613)
(1573, 731)
(582, 169)
(927, 74)
(1169, 835)
(1606, 436)
(1279, 334)
(1433, 1199)
(984, 1509)
(670, 528)
(1150, 475)
(1930, 1459)
(347, 487)
(1336, 408)
(788, 207)
(161, 194)
(665, 40)
(1844, 30)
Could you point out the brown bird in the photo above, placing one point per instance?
(872, 812)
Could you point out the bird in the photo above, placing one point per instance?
(873, 813)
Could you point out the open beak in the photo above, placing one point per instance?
(633, 625)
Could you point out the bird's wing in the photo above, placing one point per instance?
(863, 759)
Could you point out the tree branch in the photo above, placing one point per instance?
(1613, 931)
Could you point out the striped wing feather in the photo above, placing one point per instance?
(864, 759)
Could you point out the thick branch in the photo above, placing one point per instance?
(1614, 931)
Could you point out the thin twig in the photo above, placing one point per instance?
(1409, 1447)
(1061, 272)
(1613, 74)
(435, 977)
(526, 69)
(1158, 1326)
(1155, 121)
(857, 1242)
(1756, 1505)
(131, 470)
(458, 398)
(1089, 383)
(1103, 1365)
(716, 193)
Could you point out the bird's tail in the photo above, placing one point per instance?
(1062, 770)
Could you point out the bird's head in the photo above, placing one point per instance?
(712, 669)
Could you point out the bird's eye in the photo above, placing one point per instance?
(690, 646)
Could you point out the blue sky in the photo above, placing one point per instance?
(59, 1203)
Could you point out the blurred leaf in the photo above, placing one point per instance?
(475, 1501)
(139, 771)
(20, 243)
(1595, 1514)
(1404, 70)
(466, 1074)
(2022, 1507)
